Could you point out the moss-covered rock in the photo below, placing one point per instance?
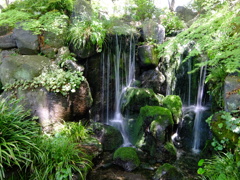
(109, 136)
(174, 104)
(147, 55)
(166, 172)
(127, 158)
(135, 98)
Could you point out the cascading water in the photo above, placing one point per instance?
(199, 111)
(118, 61)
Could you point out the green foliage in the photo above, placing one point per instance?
(87, 32)
(74, 132)
(206, 5)
(39, 7)
(215, 35)
(38, 15)
(54, 22)
(17, 133)
(143, 9)
(11, 17)
(226, 129)
(171, 22)
(59, 159)
(54, 80)
(220, 167)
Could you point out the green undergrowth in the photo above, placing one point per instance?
(29, 154)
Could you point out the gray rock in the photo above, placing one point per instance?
(21, 67)
(52, 108)
(152, 30)
(231, 92)
(154, 80)
(7, 41)
(185, 14)
(148, 57)
(26, 41)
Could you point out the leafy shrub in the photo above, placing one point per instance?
(171, 21)
(220, 167)
(17, 133)
(54, 22)
(87, 32)
(11, 17)
(53, 79)
(143, 9)
(59, 159)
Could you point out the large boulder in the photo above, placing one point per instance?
(155, 80)
(109, 136)
(127, 158)
(52, 108)
(7, 41)
(26, 41)
(231, 92)
(154, 31)
(148, 56)
(135, 98)
(185, 13)
(21, 67)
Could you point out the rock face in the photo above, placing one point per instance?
(53, 108)
(152, 30)
(109, 136)
(7, 41)
(127, 158)
(155, 80)
(231, 92)
(21, 67)
(185, 13)
(26, 41)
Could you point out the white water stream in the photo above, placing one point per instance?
(199, 108)
(119, 62)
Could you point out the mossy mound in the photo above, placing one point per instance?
(174, 104)
(127, 158)
(135, 98)
(167, 171)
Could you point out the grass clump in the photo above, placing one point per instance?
(17, 134)
(35, 155)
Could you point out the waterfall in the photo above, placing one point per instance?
(199, 111)
(118, 72)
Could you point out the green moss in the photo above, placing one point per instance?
(161, 115)
(127, 154)
(174, 104)
(135, 98)
(135, 129)
(167, 171)
(171, 148)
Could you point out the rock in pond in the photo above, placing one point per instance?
(127, 158)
